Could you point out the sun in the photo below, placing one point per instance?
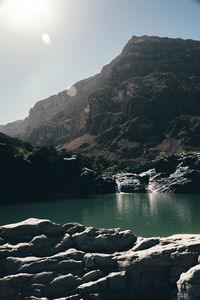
(23, 13)
(24, 9)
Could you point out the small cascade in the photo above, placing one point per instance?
(129, 183)
(118, 183)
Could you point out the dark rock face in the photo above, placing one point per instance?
(130, 183)
(93, 183)
(43, 260)
(172, 174)
(179, 174)
(188, 284)
(145, 103)
(28, 175)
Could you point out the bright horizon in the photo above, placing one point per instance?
(47, 45)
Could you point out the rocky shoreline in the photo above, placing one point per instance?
(41, 260)
(172, 174)
(46, 174)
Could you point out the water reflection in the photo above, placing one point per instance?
(160, 214)
(123, 203)
(175, 205)
(145, 214)
(131, 203)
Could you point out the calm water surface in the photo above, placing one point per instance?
(145, 214)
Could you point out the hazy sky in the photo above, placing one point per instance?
(48, 45)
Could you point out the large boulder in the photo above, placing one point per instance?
(189, 284)
(104, 240)
(26, 230)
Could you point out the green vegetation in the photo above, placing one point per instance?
(29, 173)
(13, 147)
(18, 149)
(100, 164)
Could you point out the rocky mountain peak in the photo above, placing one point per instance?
(142, 105)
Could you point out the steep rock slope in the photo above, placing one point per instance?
(142, 105)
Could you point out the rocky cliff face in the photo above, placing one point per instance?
(43, 260)
(144, 104)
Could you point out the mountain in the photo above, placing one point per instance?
(143, 105)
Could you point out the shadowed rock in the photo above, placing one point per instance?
(189, 284)
(130, 267)
(172, 174)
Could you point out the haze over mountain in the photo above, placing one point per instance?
(144, 104)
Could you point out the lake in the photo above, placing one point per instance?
(145, 214)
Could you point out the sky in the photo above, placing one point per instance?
(46, 46)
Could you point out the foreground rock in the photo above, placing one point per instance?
(43, 260)
(172, 174)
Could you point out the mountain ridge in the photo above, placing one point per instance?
(144, 104)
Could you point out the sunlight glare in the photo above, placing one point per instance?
(22, 13)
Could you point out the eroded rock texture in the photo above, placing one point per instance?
(43, 260)
(171, 174)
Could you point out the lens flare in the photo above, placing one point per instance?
(46, 38)
(72, 91)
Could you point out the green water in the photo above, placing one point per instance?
(145, 214)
